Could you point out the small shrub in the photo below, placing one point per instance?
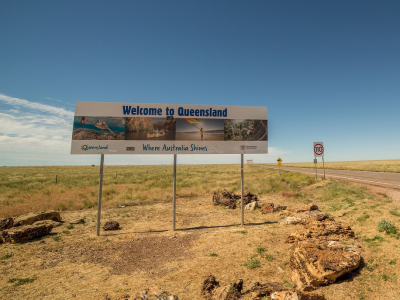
(57, 238)
(385, 277)
(392, 262)
(387, 226)
(213, 254)
(269, 257)
(260, 250)
(66, 232)
(252, 263)
(70, 226)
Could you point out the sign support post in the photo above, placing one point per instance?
(319, 152)
(242, 187)
(315, 163)
(100, 194)
(174, 196)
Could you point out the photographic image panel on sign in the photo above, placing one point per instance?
(246, 130)
(194, 129)
(163, 129)
(98, 128)
(136, 128)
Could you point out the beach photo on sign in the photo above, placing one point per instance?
(150, 128)
(246, 130)
(98, 128)
(191, 129)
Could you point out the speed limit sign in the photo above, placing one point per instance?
(318, 149)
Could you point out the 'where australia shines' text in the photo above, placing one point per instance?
(166, 148)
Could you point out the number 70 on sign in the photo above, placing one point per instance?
(318, 149)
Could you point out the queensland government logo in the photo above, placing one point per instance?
(86, 147)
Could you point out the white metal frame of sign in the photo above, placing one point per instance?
(143, 128)
(319, 151)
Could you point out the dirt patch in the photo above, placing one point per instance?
(149, 254)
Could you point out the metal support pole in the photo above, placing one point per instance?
(242, 187)
(174, 196)
(315, 162)
(100, 193)
(323, 165)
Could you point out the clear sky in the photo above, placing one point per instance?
(327, 71)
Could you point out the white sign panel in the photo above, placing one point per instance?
(318, 149)
(142, 128)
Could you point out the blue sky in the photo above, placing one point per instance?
(327, 71)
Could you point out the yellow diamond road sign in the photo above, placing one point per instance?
(279, 160)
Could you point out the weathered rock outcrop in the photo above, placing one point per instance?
(319, 263)
(228, 199)
(323, 230)
(270, 208)
(31, 218)
(111, 225)
(306, 217)
(25, 233)
(296, 295)
(211, 290)
(6, 223)
(252, 205)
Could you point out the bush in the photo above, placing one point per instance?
(387, 226)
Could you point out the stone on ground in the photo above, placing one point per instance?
(6, 223)
(31, 218)
(111, 225)
(25, 233)
(306, 217)
(315, 263)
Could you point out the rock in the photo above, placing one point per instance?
(226, 293)
(259, 291)
(6, 223)
(111, 225)
(267, 208)
(252, 206)
(219, 200)
(209, 285)
(308, 207)
(296, 295)
(212, 290)
(328, 230)
(77, 221)
(317, 263)
(270, 208)
(31, 218)
(25, 233)
(306, 217)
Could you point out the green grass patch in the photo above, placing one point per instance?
(363, 218)
(8, 255)
(21, 281)
(252, 263)
(213, 254)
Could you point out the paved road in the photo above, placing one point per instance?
(387, 180)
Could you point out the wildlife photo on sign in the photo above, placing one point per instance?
(98, 128)
(150, 128)
(246, 130)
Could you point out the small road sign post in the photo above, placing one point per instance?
(279, 160)
(319, 152)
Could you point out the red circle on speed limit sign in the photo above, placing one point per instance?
(318, 149)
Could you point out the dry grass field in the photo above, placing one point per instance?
(366, 165)
(73, 263)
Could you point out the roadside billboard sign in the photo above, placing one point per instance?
(143, 128)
